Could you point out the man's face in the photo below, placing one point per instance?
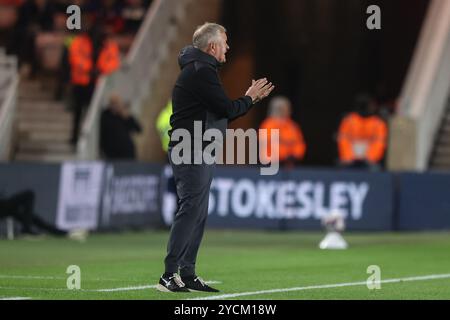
(219, 48)
(115, 102)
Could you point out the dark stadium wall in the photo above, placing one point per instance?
(320, 54)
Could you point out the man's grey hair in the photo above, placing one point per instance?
(205, 34)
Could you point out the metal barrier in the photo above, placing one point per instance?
(424, 95)
(139, 69)
(8, 92)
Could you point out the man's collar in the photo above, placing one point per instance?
(205, 57)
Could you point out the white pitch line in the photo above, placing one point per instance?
(16, 298)
(136, 288)
(325, 286)
(6, 276)
(122, 289)
(133, 288)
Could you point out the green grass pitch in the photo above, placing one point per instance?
(241, 261)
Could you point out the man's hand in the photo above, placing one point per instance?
(259, 89)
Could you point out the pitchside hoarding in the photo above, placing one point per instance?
(99, 195)
(80, 188)
(424, 201)
(298, 199)
(89, 195)
(130, 195)
(41, 179)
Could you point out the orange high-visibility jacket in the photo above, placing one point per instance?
(370, 131)
(291, 142)
(80, 59)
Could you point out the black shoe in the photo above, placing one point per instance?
(194, 283)
(171, 283)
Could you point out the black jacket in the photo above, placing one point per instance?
(115, 136)
(198, 95)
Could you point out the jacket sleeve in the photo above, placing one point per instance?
(344, 141)
(211, 94)
(377, 146)
(299, 147)
(133, 124)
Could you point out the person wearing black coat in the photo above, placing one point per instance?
(20, 206)
(198, 95)
(116, 128)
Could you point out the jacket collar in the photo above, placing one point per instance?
(191, 54)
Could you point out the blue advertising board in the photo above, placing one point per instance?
(298, 199)
(102, 195)
(424, 201)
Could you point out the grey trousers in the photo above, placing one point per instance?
(193, 182)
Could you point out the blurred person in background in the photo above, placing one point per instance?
(34, 16)
(64, 70)
(91, 54)
(116, 127)
(109, 12)
(163, 125)
(362, 136)
(133, 13)
(292, 146)
(168, 186)
(20, 206)
(9, 10)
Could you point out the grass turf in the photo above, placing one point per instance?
(241, 261)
